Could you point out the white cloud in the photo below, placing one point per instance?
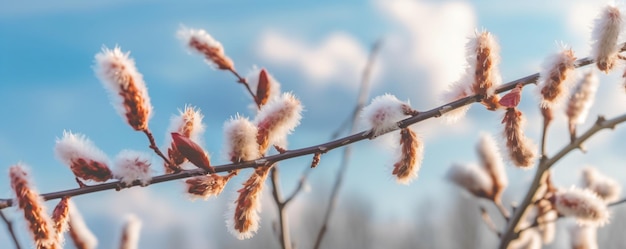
(432, 40)
(339, 57)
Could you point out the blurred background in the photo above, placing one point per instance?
(317, 50)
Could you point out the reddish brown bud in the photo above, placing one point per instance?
(192, 151)
(263, 88)
(512, 99)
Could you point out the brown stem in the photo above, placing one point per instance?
(283, 233)
(9, 225)
(544, 135)
(156, 150)
(244, 82)
(362, 98)
(489, 222)
(505, 213)
(545, 163)
(300, 186)
(320, 148)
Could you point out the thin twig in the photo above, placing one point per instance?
(362, 98)
(505, 213)
(9, 225)
(283, 236)
(319, 148)
(300, 186)
(544, 165)
(244, 82)
(156, 150)
(489, 222)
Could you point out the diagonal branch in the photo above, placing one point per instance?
(9, 225)
(345, 160)
(545, 164)
(319, 148)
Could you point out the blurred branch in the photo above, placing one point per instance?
(319, 148)
(283, 233)
(544, 165)
(9, 225)
(362, 99)
(488, 221)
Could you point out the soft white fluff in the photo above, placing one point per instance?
(383, 113)
(80, 229)
(492, 159)
(116, 70)
(240, 137)
(279, 117)
(133, 165)
(604, 37)
(130, 233)
(73, 146)
(583, 236)
(528, 239)
(583, 205)
(582, 98)
(552, 63)
(484, 40)
(457, 90)
(605, 187)
(470, 177)
(186, 35)
(178, 123)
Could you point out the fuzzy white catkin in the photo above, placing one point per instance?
(383, 113)
(279, 116)
(529, 239)
(80, 229)
(470, 177)
(553, 65)
(133, 165)
(605, 35)
(484, 40)
(492, 159)
(582, 204)
(605, 187)
(583, 236)
(75, 146)
(130, 232)
(240, 138)
(177, 122)
(116, 70)
(582, 98)
(457, 90)
(185, 35)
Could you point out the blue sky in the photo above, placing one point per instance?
(316, 50)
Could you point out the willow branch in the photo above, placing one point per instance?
(283, 235)
(345, 160)
(319, 148)
(9, 225)
(544, 165)
(488, 221)
(156, 150)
